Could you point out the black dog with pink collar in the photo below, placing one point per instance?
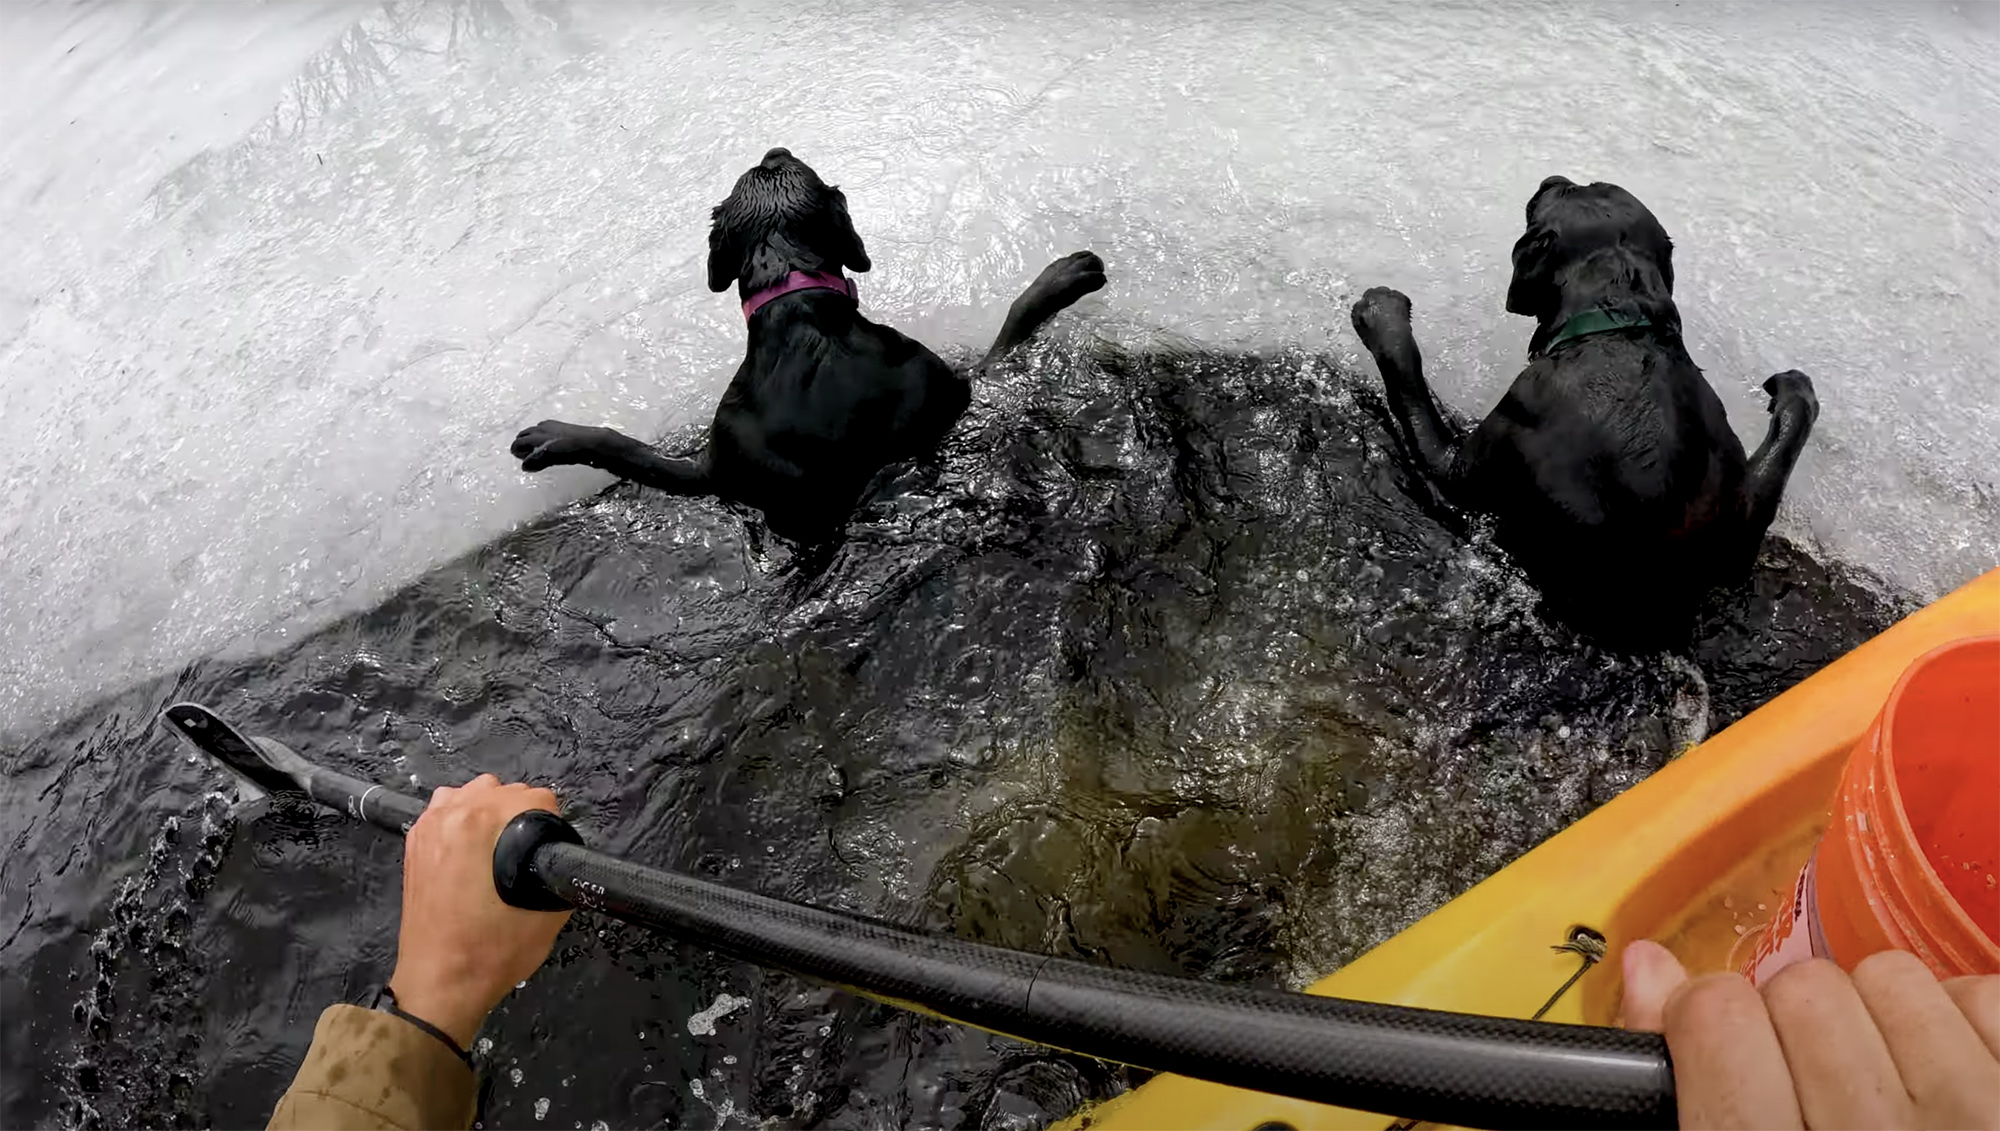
(825, 398)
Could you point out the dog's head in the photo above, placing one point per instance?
(1569, 224)
(780, 218)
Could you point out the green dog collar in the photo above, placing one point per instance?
(1593, 322)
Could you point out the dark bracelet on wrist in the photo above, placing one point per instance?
(384, 999)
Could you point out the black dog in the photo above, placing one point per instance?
(824, 398)
(1609, 466)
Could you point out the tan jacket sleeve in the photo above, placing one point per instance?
(373, 1071)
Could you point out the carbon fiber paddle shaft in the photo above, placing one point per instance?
(1421, 1064)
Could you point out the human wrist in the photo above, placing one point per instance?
(454, 1010)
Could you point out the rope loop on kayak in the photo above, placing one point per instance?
(1584, 943)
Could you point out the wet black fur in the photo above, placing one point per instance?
(1609, 465)
(824, 398)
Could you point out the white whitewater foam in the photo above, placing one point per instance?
(283, 281)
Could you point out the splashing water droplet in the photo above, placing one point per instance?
(703, 1024)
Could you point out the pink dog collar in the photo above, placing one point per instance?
(799, 281)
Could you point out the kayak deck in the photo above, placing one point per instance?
(1685, 857)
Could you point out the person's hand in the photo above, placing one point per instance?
(461, 949)
(1890, 1046)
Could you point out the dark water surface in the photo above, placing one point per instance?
(1165, 664)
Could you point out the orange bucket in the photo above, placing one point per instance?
(1909, 859)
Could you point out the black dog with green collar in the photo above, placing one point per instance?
(1609, 467)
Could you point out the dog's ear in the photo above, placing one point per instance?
(843, 241)
(1533, 290)
(725, 251)
(1667, 262)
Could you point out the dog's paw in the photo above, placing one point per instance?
(1068, 279)
(1792, 387)
(1380, 310)
(554, 443)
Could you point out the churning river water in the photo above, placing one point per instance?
(1164, 662)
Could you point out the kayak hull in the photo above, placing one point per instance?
(1697, 856)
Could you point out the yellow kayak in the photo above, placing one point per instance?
(1696, 856)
